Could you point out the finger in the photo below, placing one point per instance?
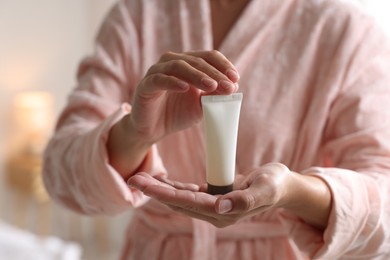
(178, 185)
(143, 180)
(220, 62)
(262, 189)
(197, 60)
(159, 81)
(242, 202)
(203, 187)
(198, 202)
(225, 204)
(184, 71)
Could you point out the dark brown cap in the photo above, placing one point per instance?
(219, 190)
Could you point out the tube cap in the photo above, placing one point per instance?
(219, 190)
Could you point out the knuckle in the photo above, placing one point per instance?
(177, 64)
(215, 53)
(152, 79)
(198, 61)
(277, 165)
(152, 69)
(272, 172)
(250, 202)
(268, 180)
(166, 56)
(245, 202)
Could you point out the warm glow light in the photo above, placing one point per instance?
(33, 112)
(32, 118)
(19, 73)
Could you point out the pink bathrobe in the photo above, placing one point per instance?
(315, 75)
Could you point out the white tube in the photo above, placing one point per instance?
(221, 116)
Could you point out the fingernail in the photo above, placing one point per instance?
(226, 84)
(233, 75)
(130, 185)
(225, 206)
(210, 83)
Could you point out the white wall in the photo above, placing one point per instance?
(380, 10)
(41, 44)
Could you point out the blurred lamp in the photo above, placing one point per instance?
(32, 117)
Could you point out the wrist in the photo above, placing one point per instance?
(126, 150)
(309, 198)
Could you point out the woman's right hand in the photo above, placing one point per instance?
(167, 100)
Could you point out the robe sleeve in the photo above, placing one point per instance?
(356, 156)
(76, 171)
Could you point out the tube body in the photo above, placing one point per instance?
(221, 117)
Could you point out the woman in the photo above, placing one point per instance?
(313, 155)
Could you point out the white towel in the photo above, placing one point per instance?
(17, 244)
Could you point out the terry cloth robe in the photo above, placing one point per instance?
(315, 76)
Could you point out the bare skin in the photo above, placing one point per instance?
(167, 101)
(184, 74)
(160, 107)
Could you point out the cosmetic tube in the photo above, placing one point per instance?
(221, 117)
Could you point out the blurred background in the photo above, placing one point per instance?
(41, 44)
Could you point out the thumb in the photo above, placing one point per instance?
(241, 201)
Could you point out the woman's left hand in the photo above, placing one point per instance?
(262, 188)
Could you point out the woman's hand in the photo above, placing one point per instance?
(262, 188)
(272, 185)
(168, 100)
